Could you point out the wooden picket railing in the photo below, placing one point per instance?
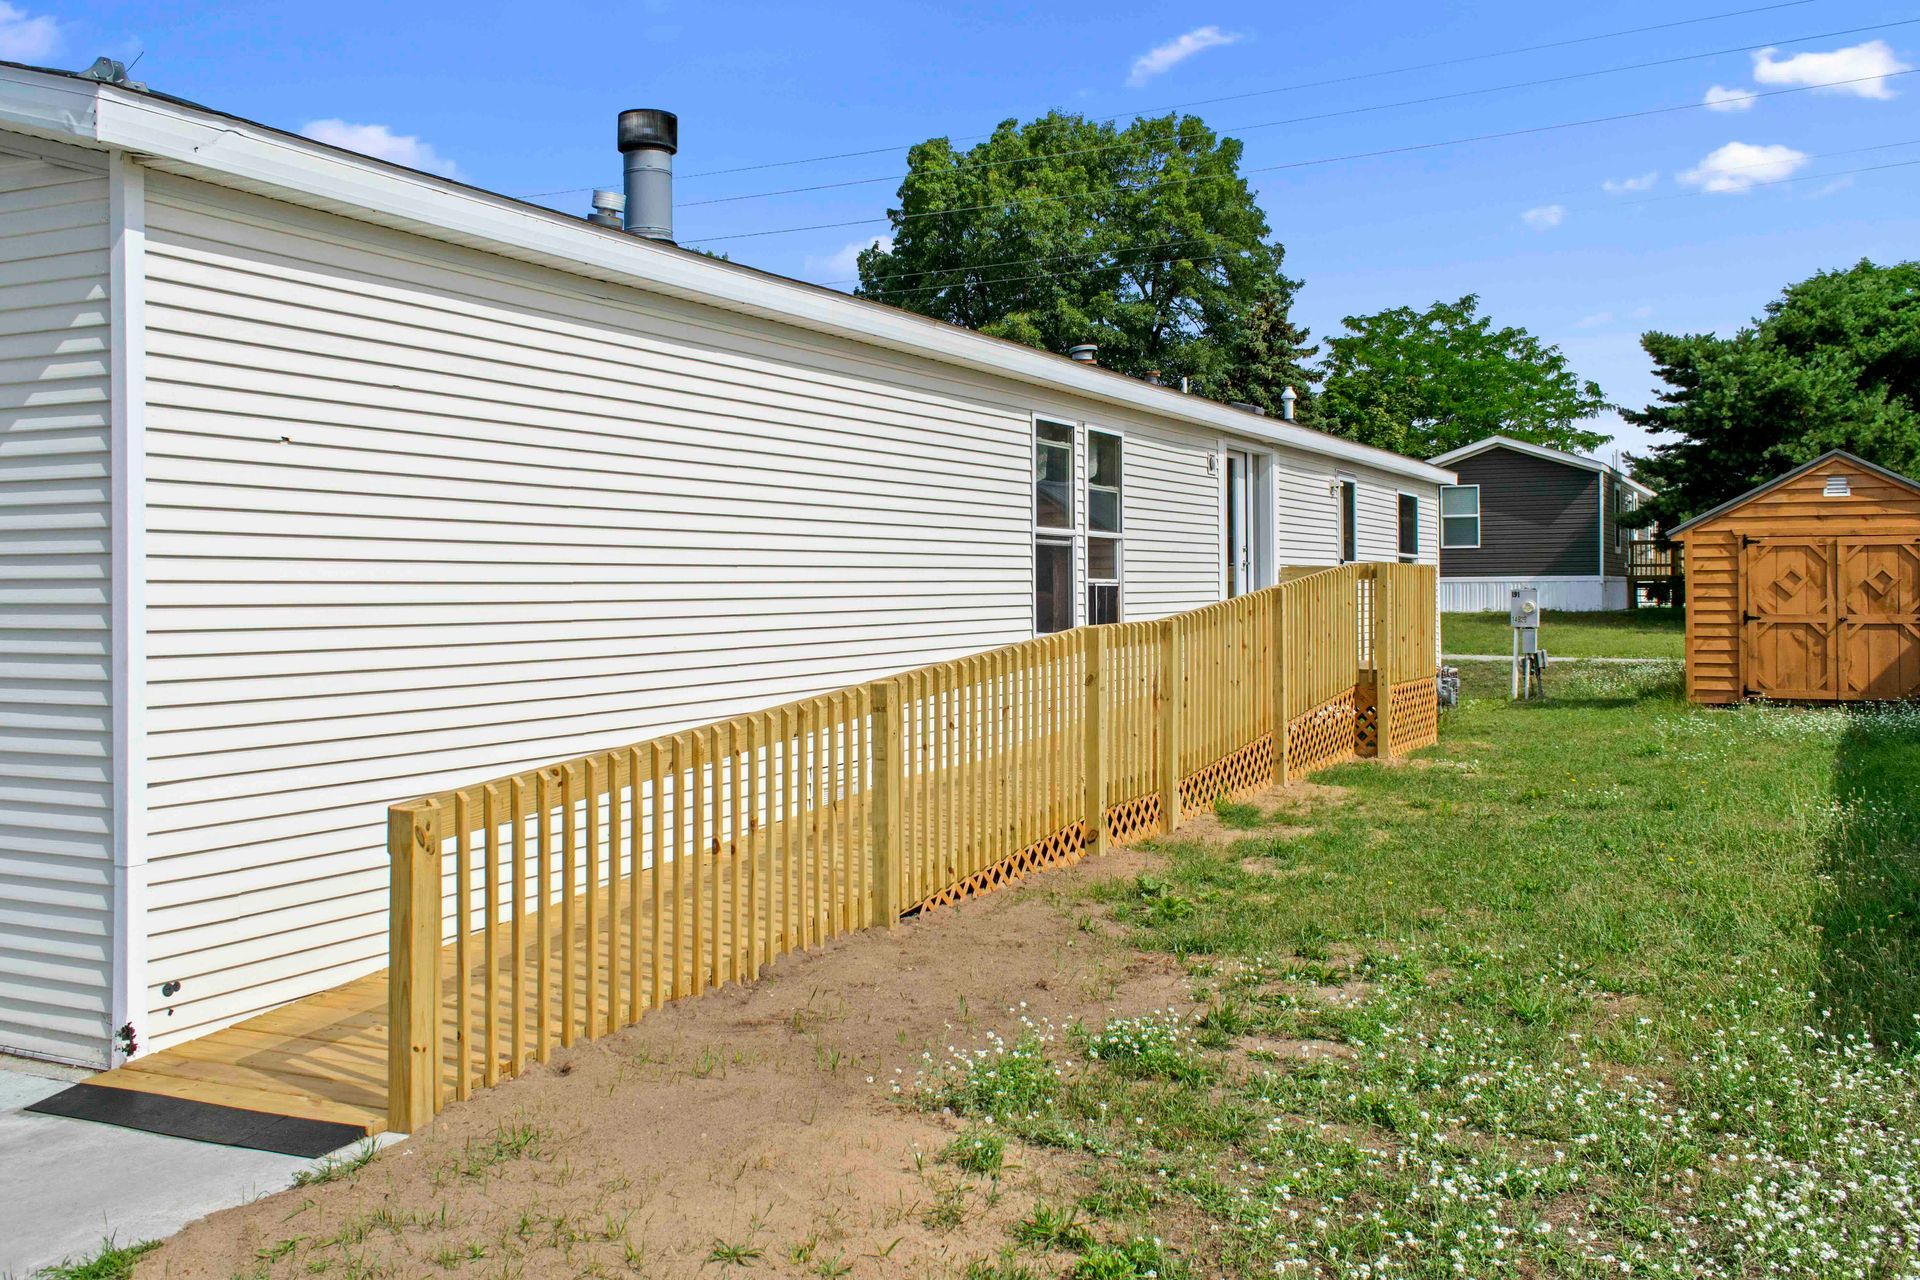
(563, 902)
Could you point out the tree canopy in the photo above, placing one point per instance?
(1063, 230)
(1424, 382)
(1834, 363)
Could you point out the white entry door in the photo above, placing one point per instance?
(1239, 544)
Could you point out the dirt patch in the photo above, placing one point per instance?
(762, 1128)
(1284, 1050)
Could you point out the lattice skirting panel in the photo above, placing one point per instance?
(1230, 777)
(1327, 735)
(1134, 819)
(1415, 715)
(1063, 848)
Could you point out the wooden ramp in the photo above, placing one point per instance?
(325, 1057)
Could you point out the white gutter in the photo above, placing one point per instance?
(180, 138)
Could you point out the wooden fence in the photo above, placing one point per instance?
(563, 902)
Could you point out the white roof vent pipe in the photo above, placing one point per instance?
(1288, 399)
(609, 209)
(648, 141)
(1084, 353)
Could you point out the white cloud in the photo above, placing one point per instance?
(1867, 65)
(1721, 98)
(1546, 217)
(1738, 166)
(24, 39)
(1639, 313)
(844, 263)
(1643, 182)
(381, 143)
(1594, 321)
(1176, 51)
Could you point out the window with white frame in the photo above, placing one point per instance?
(1053, 522)
(1460, 515)
(1409, 528)
(1104, 526)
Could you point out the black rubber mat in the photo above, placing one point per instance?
(200, 1121)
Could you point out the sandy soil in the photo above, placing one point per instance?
(757, 1122)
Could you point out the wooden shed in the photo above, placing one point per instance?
(1807, 588)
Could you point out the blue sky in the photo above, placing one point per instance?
(1584, 235)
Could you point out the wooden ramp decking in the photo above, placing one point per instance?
(324, 1057)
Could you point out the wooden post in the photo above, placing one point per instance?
(413, 964)
(883, 697)
(1096, 729)
(1382, 660)
(1282, 686)
(1173, 666)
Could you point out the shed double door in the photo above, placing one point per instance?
(1831, 619)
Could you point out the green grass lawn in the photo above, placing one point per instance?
(1632, 633)
(1602, 985)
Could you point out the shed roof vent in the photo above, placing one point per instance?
(1837, 487)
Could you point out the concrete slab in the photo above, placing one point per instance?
(66, 1185)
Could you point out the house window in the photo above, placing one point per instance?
(1460, 515)
(1052, 475)
(1105, 519)
(1349, 522)
(1103, 580)
(1052, 585)
(1409, 528)
(1620, 507)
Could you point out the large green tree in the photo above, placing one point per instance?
(1063, 230)
(1833, 364)
(1424, 382)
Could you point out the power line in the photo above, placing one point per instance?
(1233, 249)
(1300, 86)
(975, 166)
(1296, 87)
(1405, 149)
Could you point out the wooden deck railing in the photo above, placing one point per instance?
(1646, 559)
(563, 902)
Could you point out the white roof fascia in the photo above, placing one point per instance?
(178, 138)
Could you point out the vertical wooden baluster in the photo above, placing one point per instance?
(849, 863)
(720, 740)
(657, 870)
(697, 856)
(490, 816)
(569, 906)
(756, 877)
(462, 957)
(589, 942)
(516, 804)
(818, 830)
(636, 857)
(684, 770)
(736, 851)
(616, 932)
(544, 803)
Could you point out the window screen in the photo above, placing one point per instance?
(1409, 528)
(1052, 586)
(1103, 482)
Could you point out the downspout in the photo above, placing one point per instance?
(127, 288)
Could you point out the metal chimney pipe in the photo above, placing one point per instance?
(1083, 353)
(1287, 399)
(648, 140)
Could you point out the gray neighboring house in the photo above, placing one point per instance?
(1523, 515)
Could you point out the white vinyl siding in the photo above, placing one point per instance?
(56, 744)
(1309, 511)
(418, 516)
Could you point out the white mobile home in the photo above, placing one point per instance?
(324, 483)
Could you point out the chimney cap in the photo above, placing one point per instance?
(1083, 352)
(644, 128)
(608, 199)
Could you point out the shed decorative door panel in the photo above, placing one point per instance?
(1879, 609)
(1791, 647)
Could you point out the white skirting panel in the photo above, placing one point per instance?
(1564, 595)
